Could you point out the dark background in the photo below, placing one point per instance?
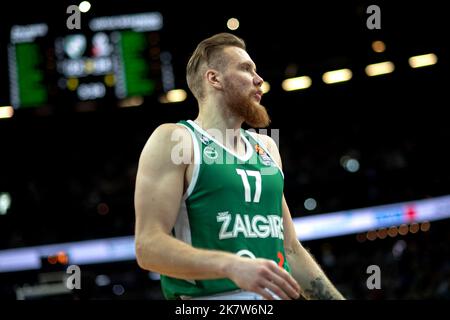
(62, 168)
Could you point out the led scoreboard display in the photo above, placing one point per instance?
(115, 58)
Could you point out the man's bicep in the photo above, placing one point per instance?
(157, 201)
(159, 186)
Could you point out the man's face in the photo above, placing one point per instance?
(242, 88)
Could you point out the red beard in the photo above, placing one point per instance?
(253, 113)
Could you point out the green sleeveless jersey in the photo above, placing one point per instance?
(233, 203)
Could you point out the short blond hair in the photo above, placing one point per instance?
(209, 53)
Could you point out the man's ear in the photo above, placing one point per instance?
(213, 78)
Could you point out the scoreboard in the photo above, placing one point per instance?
(112, 59)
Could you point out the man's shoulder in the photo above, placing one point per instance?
(166, 141)
(169, 128)
(169, 133)
(166, 135)
(266, 140)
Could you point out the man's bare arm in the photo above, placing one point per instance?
(158, 195)
(313, 282)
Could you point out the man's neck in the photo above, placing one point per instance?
(221, 124)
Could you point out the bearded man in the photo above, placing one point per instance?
(214, 223)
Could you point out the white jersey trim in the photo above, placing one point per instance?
(249, 149)
(197, 159)
(182, 228)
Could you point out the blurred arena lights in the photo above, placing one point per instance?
(336, 76)
(379, 68)
(62, 257)
(265, 87)
(393, 231)
(360, 237)
(378, 46)
(414, 228)
(372, 218)
(425, 226)
(297, 83)
(118, 289)
(5, 202)
(350, 164)
(371, 235)
(423, 60)
(403, 229)
(176, 95)
(102, 280)
(84, 6)
(6, 112)
(398, 248)
(310, 204)
(72, 84)
(102, 208)
(233, 24)
(110, 80)
(382, 233)
(52, 259)
(307, 228)
(172, 96)
(131, 102)
(154, 276)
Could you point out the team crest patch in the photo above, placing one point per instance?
(210, 152)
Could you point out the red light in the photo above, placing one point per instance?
(52, 259)
(410, 213)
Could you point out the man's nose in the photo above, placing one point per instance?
(258, 80)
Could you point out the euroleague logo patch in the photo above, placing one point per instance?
(264, 157)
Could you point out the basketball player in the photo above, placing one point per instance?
(217, 226)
